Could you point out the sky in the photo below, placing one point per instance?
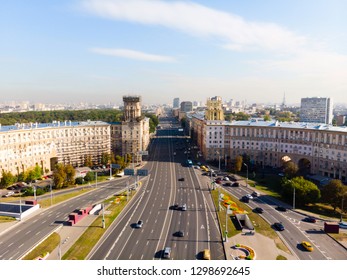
(96, 51)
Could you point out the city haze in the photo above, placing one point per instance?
(97, 51)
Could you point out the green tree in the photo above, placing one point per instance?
(7, 179)
(290, 169)
(305, 191)
(105, 158)
(332, 193)
(238, 163)
(88, 161)
(267, 118)
(59, 176)
(90, 176)
(241, 116)
(70, 175)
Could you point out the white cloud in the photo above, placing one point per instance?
(131, 54)
(233, 31)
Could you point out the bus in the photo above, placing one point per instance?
(189, 163)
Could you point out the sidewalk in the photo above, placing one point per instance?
(264, 247)
(69, 235)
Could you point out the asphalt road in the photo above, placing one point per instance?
(153, 204)
(17, 241)
(296, 230)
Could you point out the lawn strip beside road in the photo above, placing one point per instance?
(260, 225)
(57, 198)
(47, 246)
(93, 233)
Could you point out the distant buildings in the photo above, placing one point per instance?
(316, 110)
(176, 102)
(186, 106)
(26, 145)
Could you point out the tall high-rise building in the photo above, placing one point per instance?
(186, 106)
(316, 109)
(176, 102)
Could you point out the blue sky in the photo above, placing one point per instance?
(99, 50)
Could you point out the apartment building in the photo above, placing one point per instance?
(318, 148)
(24, 146)
(317, 110)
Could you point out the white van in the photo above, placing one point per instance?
(167, 253)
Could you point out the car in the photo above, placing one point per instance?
(255, 194)
(174, 207)
(179, 233)
(236, 184)
(227, 184)
(206, 254)
(281, 208)
(279, 226)
(139, 224)
(226, 178)
(343, 225)
(184, 207)
(310, 219)
(258, 210)
(9, 194)
(281, 174)
(167, 252)
(245, 199)
(307, 245)
(249, 196)
(218, 181)
(181, 179)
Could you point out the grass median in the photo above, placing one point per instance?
(260, 225)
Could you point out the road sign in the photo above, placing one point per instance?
(115, 166)
(142, 172)
(129, 172)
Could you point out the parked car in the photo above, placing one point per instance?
(307, 245)
(279, 226)
(310, 220)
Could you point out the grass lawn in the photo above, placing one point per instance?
(47, 246)
(260, 225)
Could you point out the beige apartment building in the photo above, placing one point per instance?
(319, 148)
(24, 146)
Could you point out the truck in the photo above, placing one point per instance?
(331, 227)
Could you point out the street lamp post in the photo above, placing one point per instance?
(293, 197)
(50, 184)
(103, 215)
(343, 197)
(246, 174)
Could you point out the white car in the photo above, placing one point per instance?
(249, 196)
(343, 225)
(226, 179)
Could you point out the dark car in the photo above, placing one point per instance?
(281, 208)
(174, 207)
(181, 179)
(278, 226)
(179, 233)
(218, 181)
(310, 220)
(236, 184)
(245, 199)
(259, 210)
(139, 224)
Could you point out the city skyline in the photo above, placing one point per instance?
(97, 51)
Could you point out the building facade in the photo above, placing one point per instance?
(318, 148)
(176, 103)
(23, 146)
(317, 110)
